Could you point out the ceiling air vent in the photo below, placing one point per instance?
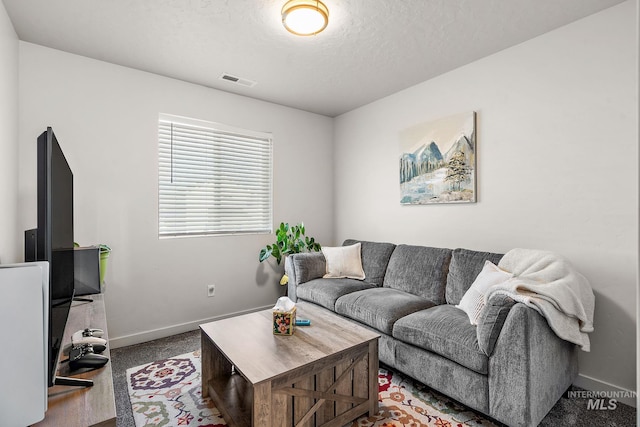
(237, 80)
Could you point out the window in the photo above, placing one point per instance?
(213, 179)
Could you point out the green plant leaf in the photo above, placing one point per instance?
(276, 254)
(289, 240)
(265, 253)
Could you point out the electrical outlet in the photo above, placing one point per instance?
(211, 290)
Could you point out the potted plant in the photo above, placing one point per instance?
(289, 240)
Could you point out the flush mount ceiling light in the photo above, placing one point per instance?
(305, 17)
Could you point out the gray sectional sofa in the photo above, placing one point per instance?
(511, 367)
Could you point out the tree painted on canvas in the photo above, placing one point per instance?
(457, 171)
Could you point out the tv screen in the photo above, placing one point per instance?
(54, 238)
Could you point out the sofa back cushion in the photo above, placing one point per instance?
(465, 267)
(305, 266)
(375, 257)
(419, 270)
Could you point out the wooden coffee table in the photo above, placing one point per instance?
(325, 374)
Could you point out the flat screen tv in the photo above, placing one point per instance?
(54, 239)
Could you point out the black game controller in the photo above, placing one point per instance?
(83, 356)
(98, 348)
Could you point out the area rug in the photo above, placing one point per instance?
(167, 393)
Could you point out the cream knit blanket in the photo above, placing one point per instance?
(550, 285)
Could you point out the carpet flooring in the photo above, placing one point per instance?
(567, 412)
(168, 392)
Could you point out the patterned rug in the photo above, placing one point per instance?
(167, 393)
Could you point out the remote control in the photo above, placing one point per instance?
(303, 322)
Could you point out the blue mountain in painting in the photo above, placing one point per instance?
(428, 153)
(425, 159)
(463, 145)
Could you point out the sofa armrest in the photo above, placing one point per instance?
(301, 268)
(529, 370)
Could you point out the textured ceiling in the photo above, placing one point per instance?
(371, 48)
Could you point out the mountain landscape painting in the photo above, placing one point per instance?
(438, 161)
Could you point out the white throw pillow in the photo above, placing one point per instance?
(343, 262)
(473, 300)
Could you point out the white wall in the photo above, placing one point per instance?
(105, 118)
(557, 140)
(9, 235)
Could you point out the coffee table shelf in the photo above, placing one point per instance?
(235, 392)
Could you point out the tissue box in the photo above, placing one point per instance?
(284, 322)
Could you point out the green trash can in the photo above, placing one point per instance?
(104, 257)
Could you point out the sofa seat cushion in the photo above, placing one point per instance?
(380, 307)
(325, 292)
(444, 330)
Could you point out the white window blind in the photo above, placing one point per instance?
(213, 179)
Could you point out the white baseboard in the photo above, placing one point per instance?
(592, 384)
(154, 334)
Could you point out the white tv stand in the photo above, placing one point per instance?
(83, 406)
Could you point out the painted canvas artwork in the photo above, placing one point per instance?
(438, 161)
